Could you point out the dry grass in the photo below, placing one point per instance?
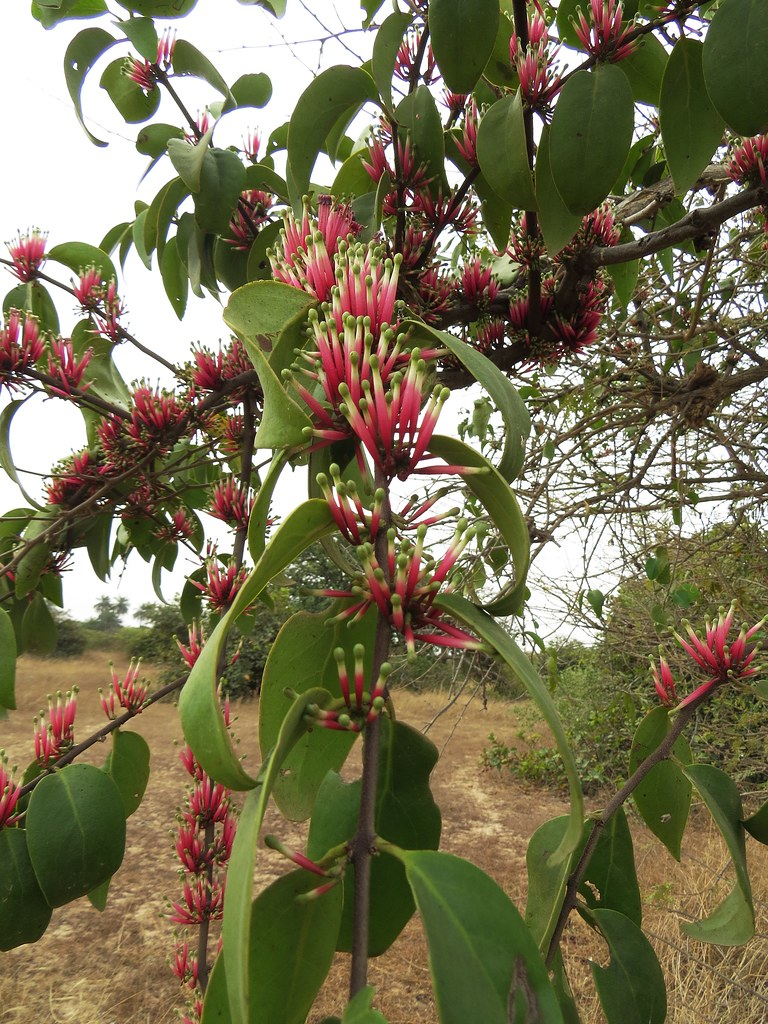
(111, 968)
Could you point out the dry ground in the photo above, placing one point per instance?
(111, 968)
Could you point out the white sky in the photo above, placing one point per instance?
(55, 179)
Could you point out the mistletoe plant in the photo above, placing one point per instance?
(355, 307)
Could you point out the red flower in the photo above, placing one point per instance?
(27, 254)
(305, 257)
(535, 65)
(64, 364)
(602, 35)
(128, 694)
(20, 347)
(722, 662)
(251, 215)
(54, 737)
(748, 161)
(231, 503)
(9, 794)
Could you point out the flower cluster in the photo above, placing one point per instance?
(28, 254)
(249, 218)
(9, 794)
(147, 73)
(747, 163)
(722, 662)
(21, 346)
(602, 34)
(304, 259)
(55, 736)
(405, 589)
(67, 367)
(536, 65)
(222, 583)
(100, 299)
(204, 835)
(127, 694)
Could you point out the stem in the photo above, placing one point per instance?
(205, 924)
(531, 217)
(362, 846)
(576, 877)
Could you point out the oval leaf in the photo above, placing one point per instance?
(734, 64)
(463, 33)
(81, 54)
(691, 128)
(330, 96)
(7, 662)
(75, 832)
(128, 766)
(663, 798)
(590, 135)
(503, 155)
(484, 963)
(291, 948)
(631, 987)
(24, 913)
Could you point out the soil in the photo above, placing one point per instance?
(111, 967)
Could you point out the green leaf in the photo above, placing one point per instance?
(318, 109)
(596, 600)
(568, 1007)
(625, 275)
(691, 128)
(610, 882)
(152, 140)
(566, 12)
(257, 524)
(143, 34)
(590, 135)
(558, 224)
(253, 90)
(290, 953)
(199, 708)
(175, 281)
(663, 798)
(510, 653)
(371, 8)
(385, 50)
(734, 65)
(24, 913)
(463, 33)
(238, 909)
(359, 1010)
(500, 502)
(503, 394)
(159, 8)
(546, 880)
(484, 963)
(222, 179)
(50, 14)
(419, 116)
(79, 256)
(406, 814)
(7, 662)
(259, 313)
(188, 157)
(631, 987)
(75, 832)
(756, 824)
(128, 765)
(38, 628)
(33, 297)
(302, 657)
(733, 922)
(98, 897)
(502, 153)
(644, 68)
(33, 562)
(132, 102)
(188, 60)
(81, 54)
(6, 457)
